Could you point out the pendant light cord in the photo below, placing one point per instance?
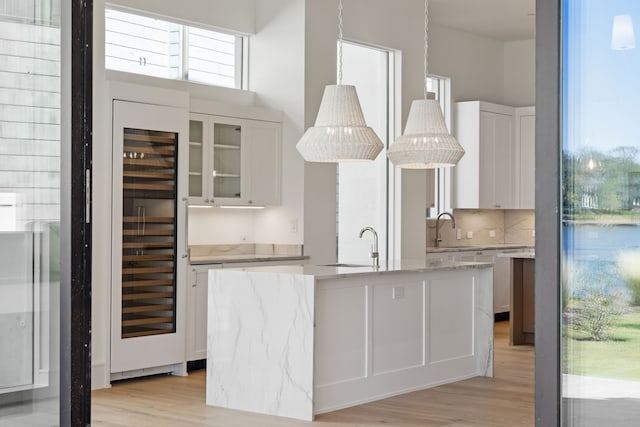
(340, 42)
(426, 44)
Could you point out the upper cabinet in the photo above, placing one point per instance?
(484, 175)
(234, 161)
(525, 120)
(497, 170)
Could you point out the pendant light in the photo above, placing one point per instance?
(340, 133)
(426, 142)
(622, 34)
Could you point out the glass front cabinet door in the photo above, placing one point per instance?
(216, 160)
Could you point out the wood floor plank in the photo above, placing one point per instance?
(507, 400)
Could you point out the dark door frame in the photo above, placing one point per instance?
(75, 321)
(548, 156)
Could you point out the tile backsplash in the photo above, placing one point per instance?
(520, 226)
(477, 227)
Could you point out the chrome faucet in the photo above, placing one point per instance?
(374, 248)
(453, 225)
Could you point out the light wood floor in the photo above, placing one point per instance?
(505, 400)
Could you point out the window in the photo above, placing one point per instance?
(33, 298)
(441, 86)
(599, 286)
(154, 47)
(365, 189)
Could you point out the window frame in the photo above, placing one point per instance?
(442, 177)
(241, 55)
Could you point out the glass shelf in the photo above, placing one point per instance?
(226, 146)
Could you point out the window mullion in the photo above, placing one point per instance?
(185, 52)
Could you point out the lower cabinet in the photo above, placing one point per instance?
(501, 285)
(501, 272)
(197, 311)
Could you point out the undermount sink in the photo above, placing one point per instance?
(346, 265)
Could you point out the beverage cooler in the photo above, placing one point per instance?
(149, 239)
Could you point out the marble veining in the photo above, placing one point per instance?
(260, 343)
(519, 226)
(484, 321)
(263, 324)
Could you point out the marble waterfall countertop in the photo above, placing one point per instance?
(300, 340)
(342, 270)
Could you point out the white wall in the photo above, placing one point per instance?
(225, 226)
(520, 73)
(277, 76)
(474, 64)
(236, 15)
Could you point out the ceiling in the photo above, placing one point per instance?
(505, 20)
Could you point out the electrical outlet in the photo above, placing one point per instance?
(458, 233)
(492, 233)
(293, 225)
(533, 233)
(469, 234)
(398, 292)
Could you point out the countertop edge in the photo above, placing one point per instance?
(433, 250)
(251, 258)
(330, 272)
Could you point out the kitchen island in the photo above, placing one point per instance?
(300, 340)
(523, 282)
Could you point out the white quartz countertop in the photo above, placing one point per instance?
(337, 271)
(221, 259)
(476, 248)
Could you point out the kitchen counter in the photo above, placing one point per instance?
(220, 259)
(299, 340)
(244, 252)
(477, 248)
(340, 271)
(519, 255)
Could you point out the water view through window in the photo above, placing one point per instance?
(601, 213)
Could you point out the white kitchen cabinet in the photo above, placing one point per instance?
(263, 162)
(501, 271)
(484, 177)
(233, 161)
(197, 291)
(501, 285)
(525, 128)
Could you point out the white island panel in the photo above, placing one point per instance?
(424, 329)
(341, 327)
(398, 311)
(451, 317)
(260, 343)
